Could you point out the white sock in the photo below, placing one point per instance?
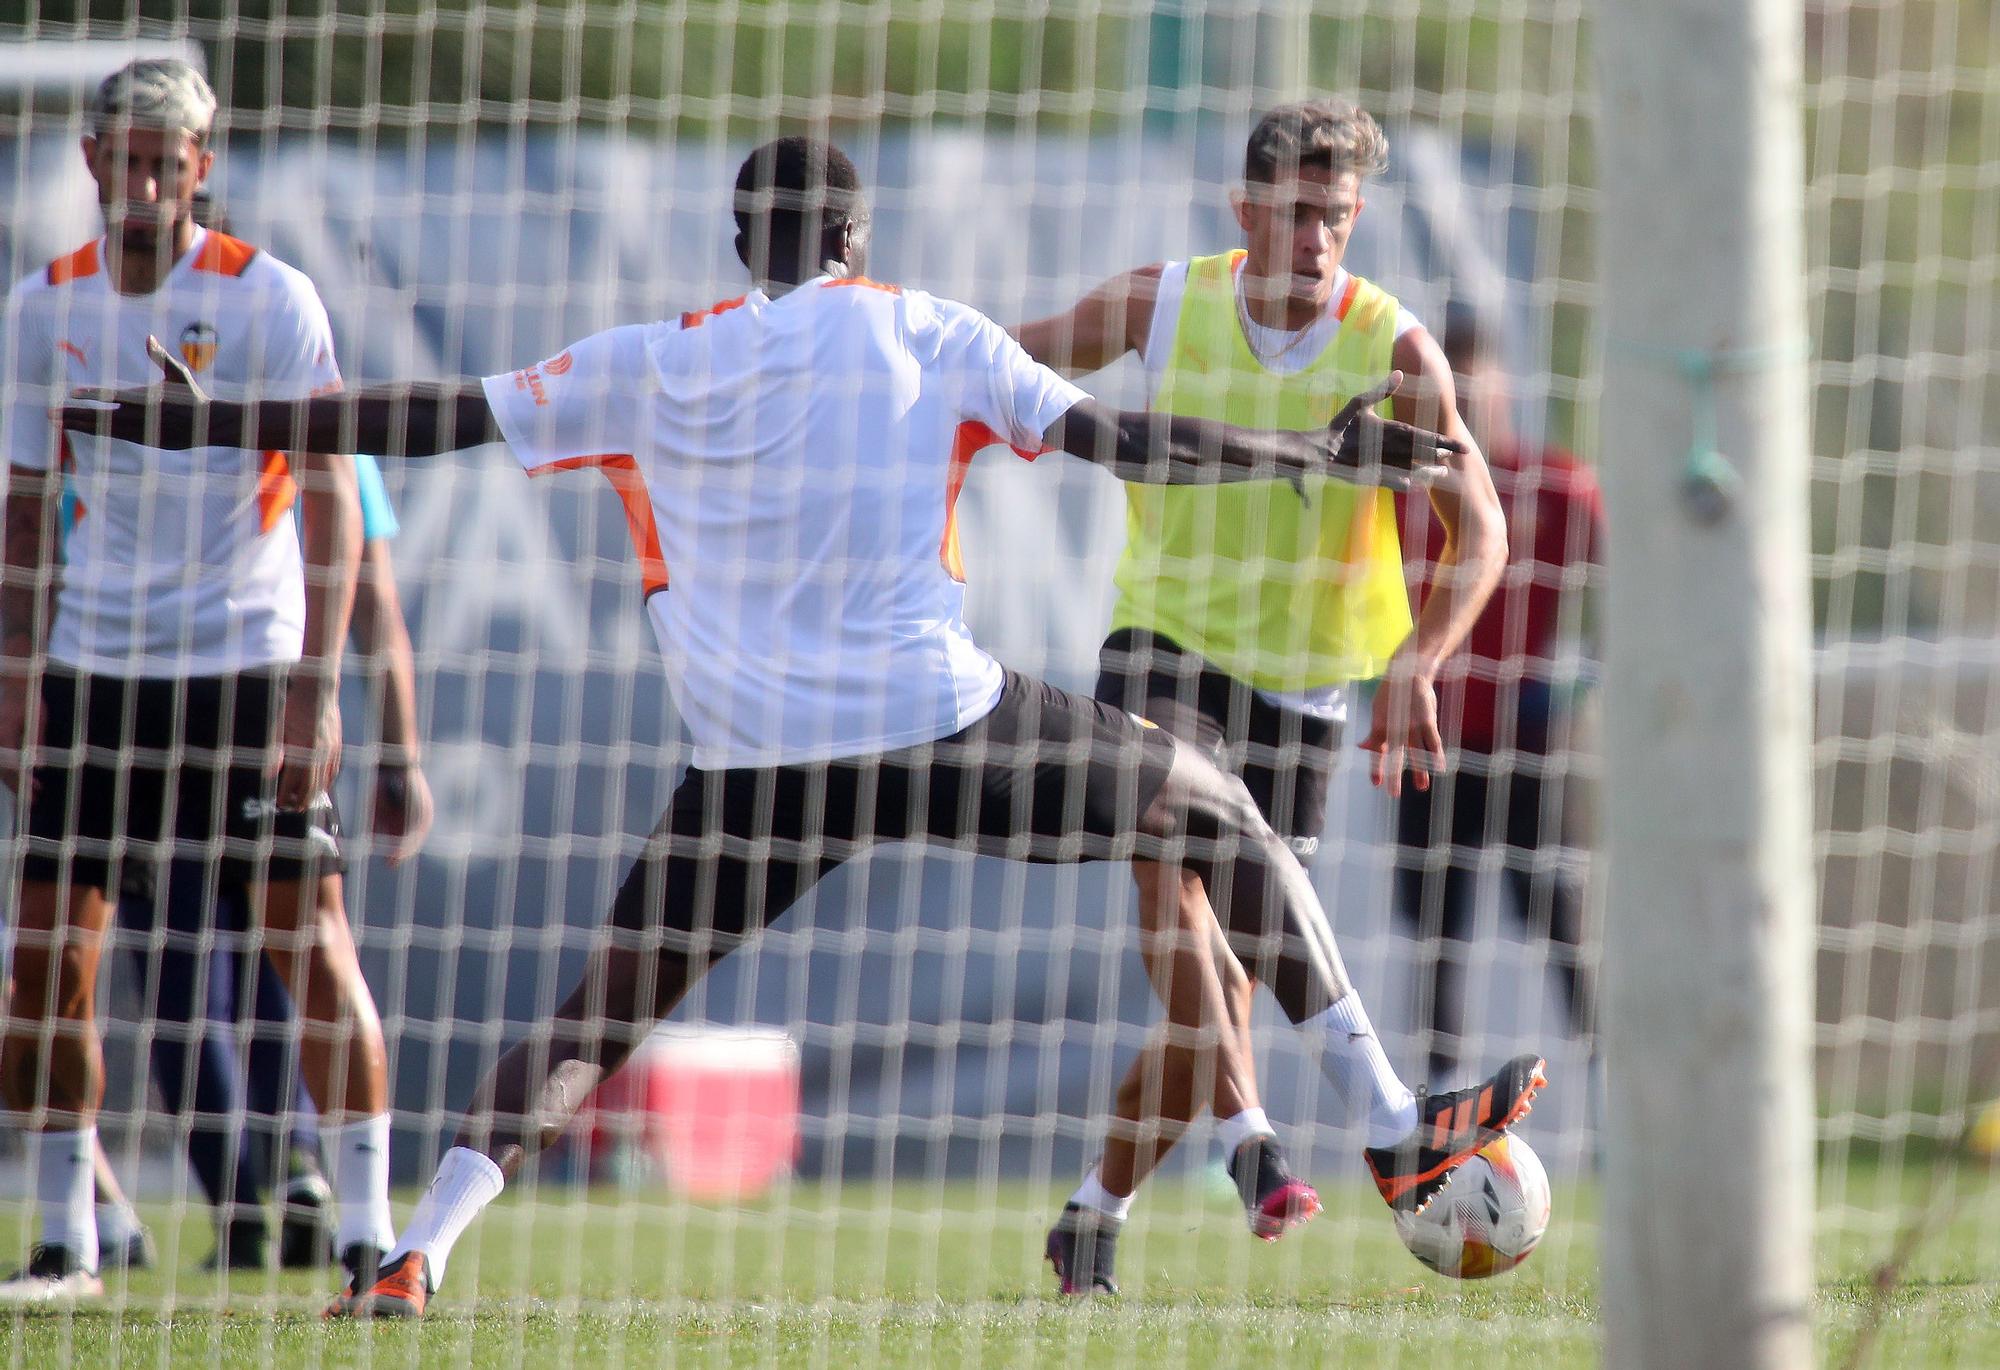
(1352, 1059)
(466, 1182)
(116, 1224)
(1093, 1195)
(65, 1191)
(1234, 1132)
(357, 1156)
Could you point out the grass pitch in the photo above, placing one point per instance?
(922, 1276)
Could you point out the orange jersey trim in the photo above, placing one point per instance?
(1347, 297)
(622, 470)
(224, 255)
(276, 490)
(865, 284)
(83, 262)
(694, 318)
(969, 441)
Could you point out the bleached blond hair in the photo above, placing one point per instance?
(155, 92)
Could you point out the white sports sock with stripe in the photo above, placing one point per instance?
(466, 1182)
(1093, 1195)
(66, 1191)
(1234, 1132)
(357, 1156)
(1352, 1059)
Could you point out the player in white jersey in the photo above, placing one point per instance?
(184, 698)
(789, 460)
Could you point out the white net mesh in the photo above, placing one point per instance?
(856, 1140)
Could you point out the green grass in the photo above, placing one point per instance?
(918, 1277)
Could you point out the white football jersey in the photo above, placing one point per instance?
(789, 467)
(179, 563)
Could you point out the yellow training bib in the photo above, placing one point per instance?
(1278, 593)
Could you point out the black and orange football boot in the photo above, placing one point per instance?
(1451, 1127)
(404, 1290)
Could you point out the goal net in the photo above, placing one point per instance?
(852, 1139)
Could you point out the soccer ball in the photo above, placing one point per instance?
(1488, 1216)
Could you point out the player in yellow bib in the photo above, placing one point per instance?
(1246, 612)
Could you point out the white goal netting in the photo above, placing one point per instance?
(853, 1138)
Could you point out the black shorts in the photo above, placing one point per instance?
(131, 772)
(1283, 757)
(1047, 776)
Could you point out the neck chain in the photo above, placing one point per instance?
(1294, 336)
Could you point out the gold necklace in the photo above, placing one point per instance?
(1246, 323)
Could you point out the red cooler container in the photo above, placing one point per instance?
(713, 1111)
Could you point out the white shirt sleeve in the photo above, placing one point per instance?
(1406, 322)
(1002, 386)
(580, 406)
(1160, 333)
(29, 384)
(298, 360)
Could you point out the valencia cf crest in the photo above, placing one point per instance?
(198, 343)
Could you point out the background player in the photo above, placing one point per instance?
(252, 1125)
(1246, 612)
(250, 1111)
(187, 684)
(1504, 719)
(822, 664)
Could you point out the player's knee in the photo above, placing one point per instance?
(52, 983)
(1202, 800)
(1237, 986)
(20, 1061)
(1153, 878)
(1235, 810)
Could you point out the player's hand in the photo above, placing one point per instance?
(172, 415)
(308, 742)
(403, 809)
(17, 749)
(1368, 449)
(1403, 732)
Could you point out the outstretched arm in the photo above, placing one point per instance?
(1172, 449)
(1099, 329)
(417, 419)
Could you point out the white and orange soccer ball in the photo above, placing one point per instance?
(1487, 1218)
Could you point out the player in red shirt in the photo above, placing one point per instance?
(1501, 710)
